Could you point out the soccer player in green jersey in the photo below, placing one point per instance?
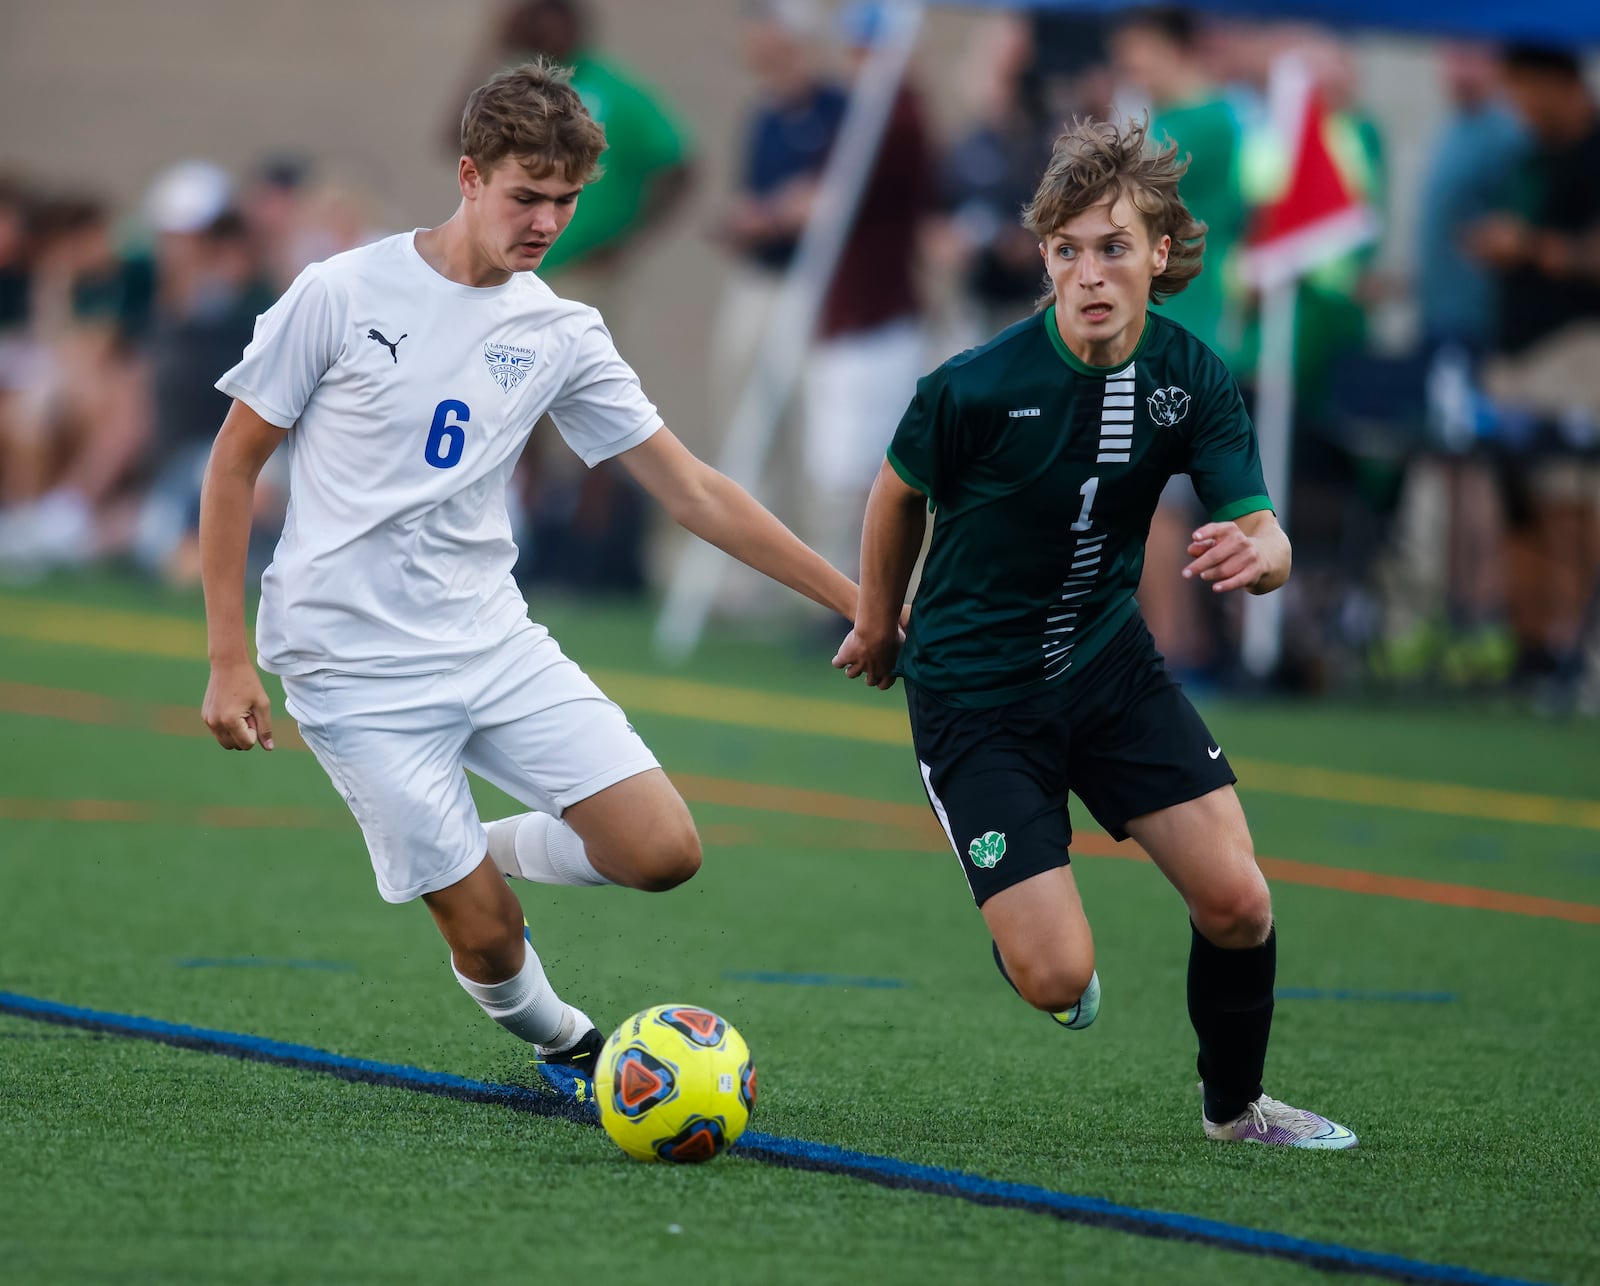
(1028, 669)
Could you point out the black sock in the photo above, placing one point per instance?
(1230, 1005)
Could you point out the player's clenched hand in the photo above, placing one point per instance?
(236, 708)
(1225, 557)
(863, 656)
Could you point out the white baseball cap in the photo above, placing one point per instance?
(187, 197)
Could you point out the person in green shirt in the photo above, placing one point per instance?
(587, 526)
(1158, 52)
(1028, 669)
(649, 153)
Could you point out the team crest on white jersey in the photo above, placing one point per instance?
(508, 364)
(1168, 405)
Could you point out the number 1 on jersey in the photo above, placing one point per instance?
(446, 438)
(1087, 492)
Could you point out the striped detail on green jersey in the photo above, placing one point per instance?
(1062, 622)
(1116, 418)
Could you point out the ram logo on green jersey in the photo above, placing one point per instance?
(1168, 405)
(987, 849)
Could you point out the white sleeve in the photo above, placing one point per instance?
(602, 411)
(295, 343)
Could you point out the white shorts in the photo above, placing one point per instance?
(857, 387)
(520, 715)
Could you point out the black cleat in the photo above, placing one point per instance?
(582, 1056)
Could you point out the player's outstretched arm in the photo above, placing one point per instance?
(722, 513)
(236, 708)
(891, 539)
(1250, 553)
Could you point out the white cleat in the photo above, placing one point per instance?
(1086, 1010)
(1269, 1121)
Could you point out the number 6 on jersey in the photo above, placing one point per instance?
(446, 437)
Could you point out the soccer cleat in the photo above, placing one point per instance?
(570, 1071)
(1086, 1010)
(582, 1056)
(1269, 1121)
(1081, 1014)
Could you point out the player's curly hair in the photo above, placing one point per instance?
(533, 113)
(1097, 161)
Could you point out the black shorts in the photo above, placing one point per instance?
(1121, 736)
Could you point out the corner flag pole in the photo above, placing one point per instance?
(1260, 642)
(790, 324)
(1316, 218)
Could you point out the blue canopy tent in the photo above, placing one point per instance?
(750, 432)
(1559, 22)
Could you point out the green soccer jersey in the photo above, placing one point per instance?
(1043, 474)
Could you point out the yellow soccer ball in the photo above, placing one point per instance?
(675, 1083)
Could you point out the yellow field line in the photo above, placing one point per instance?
(151, 634)
(1417, 796)
(145, 633)
(888, 825)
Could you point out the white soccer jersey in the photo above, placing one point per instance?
(409, 398)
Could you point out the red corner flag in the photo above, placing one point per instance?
(1317, 217)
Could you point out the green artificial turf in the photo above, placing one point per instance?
(125, 1161)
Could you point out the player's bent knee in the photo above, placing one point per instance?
(1053, 986)
(672, 861)
(1241, 920)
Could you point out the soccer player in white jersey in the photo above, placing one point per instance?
(403, 379)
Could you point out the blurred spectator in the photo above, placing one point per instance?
(271, 206)
(1471, 160)
(1547, 250)
(1239, 54)
(331, 217)
(1158, 52)
(1548, 245)
(81, 424)
(588, 525)
(1450, 528)
(647, 159)
(196, 336)
(119, 390)
(784, 144)
(22, 358)
(989, 175)
(870, 345)
(1070, 75)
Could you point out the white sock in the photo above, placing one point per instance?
(527, 1006)
(541, 848)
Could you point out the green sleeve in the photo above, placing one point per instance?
(660, 138)
(644, 140)
(1224, 455)
(923, 447)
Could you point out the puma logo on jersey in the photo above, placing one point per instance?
(394, 348)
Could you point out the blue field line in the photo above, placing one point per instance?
(776, 1150)
(305, 1057)
(263, 962)
(1345, 993)
(811, 979)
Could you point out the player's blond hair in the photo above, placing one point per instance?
(533, 113)
(1097, 161)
